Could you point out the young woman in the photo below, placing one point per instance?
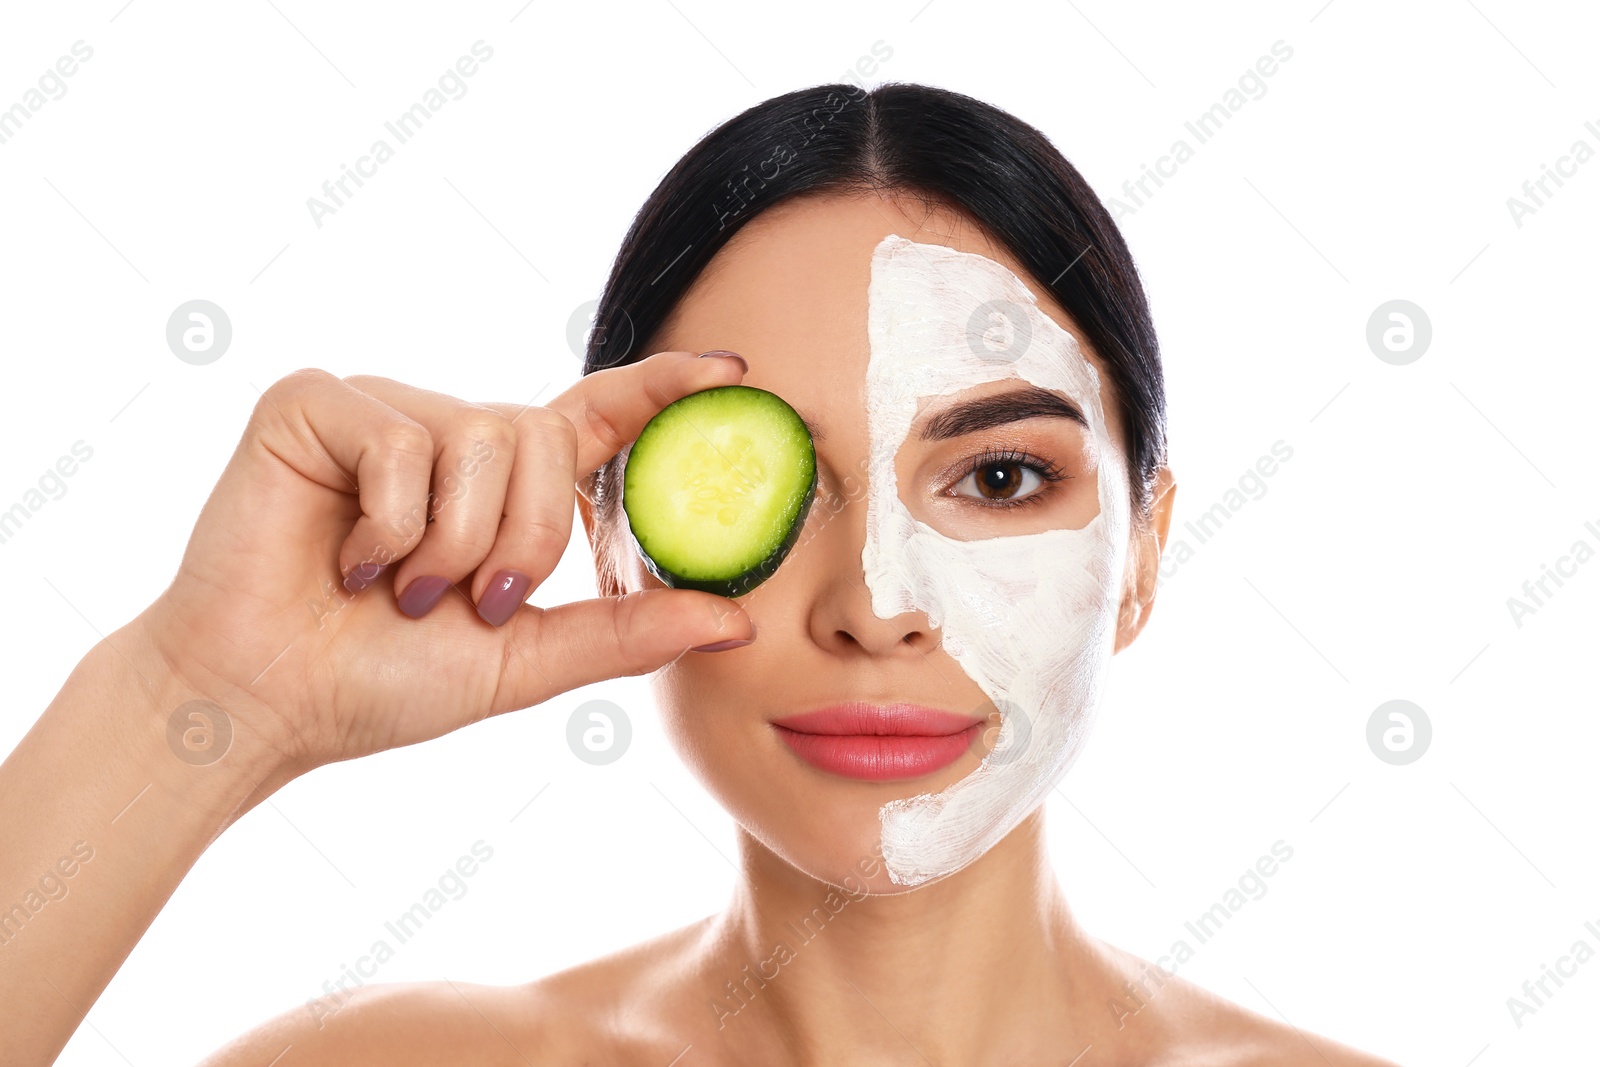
(949, 307)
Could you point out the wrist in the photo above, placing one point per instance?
(192, 744)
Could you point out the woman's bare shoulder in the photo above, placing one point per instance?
(635, 1005)
(395, 1023)
(1192, 1027)
(570, 1015)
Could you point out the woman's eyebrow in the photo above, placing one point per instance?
(987, 412)
(983, 413)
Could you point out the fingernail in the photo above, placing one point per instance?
(724, 352)
(421, 595)
(363, 575)
(504, 596)
(723, 646)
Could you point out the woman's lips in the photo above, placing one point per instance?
(879, 742)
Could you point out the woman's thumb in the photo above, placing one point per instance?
(553, 650)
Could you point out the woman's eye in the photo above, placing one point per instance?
(1005, 482)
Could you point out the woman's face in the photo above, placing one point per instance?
(997, 551)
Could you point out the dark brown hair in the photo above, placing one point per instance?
(933, 143)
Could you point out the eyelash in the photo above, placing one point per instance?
(993, 457)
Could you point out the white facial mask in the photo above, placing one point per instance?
(1031, 618)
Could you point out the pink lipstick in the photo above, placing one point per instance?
(879, 742)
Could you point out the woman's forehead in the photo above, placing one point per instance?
(816, 251)
(789, 292)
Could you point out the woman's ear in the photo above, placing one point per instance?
(1144, 563)
(605, 567)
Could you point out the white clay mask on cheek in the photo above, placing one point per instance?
(1031, 618)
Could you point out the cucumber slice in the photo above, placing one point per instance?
(717, 487)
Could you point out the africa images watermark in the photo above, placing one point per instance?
(1536, 991)
(1536, 192)
(1252, 485)
(53, 82)
(739, 193)
(405, 926)
(737, 996)
(1536, 591)
(51, 485)
(51, 886)
(1204, 928)
(402, 128)
(336, 595)
(1202, 128)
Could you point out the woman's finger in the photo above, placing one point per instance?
(558, 445)
(344, 439)
(610, 407)
(476, 450)
(537, 523)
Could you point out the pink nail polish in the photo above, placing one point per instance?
(421, 595)
(720, 646)
(505, 595)
(363, 575)
(723, 646)
(724, 353)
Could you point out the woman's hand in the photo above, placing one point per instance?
(281, 615)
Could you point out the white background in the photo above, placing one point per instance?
(1377, 565)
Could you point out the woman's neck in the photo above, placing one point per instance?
(986, 965)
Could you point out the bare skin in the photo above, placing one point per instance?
(303, 689)
(985, 966)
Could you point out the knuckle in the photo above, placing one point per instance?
(365, 382)
(602, 428)
(548, 418)
(552, 422)
(309, 375)
(481, 425)
(293, 384)
(535, 535)
(473, 540)
(406, 440)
